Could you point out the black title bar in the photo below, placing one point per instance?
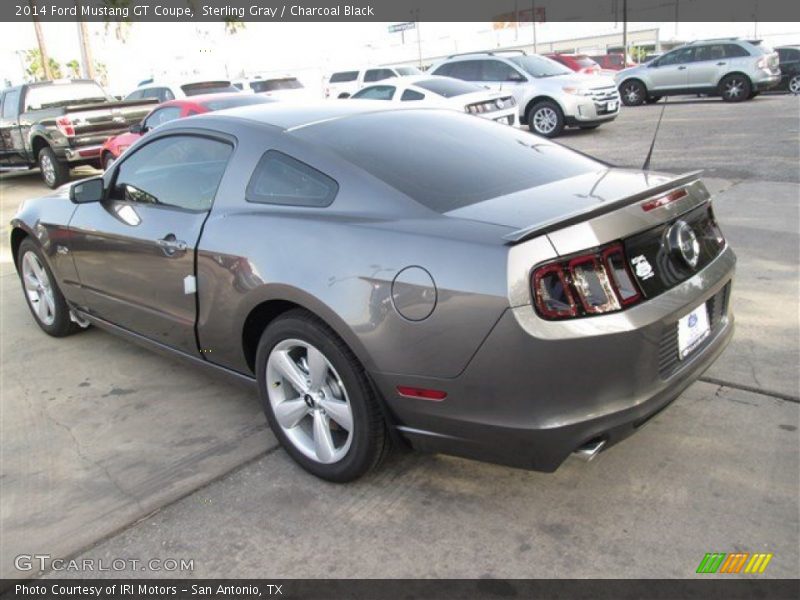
(400, 11)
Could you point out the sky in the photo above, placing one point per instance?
(309, 50)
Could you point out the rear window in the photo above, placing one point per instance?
(208, 87)
(57, 94)
(272, 85)
(445, 160)
(448, 87)
(239, 100)
(343, 76)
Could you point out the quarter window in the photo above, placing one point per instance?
(281, 179)
(180, 171)
(411, 95)
(161, 116)
(735, 51)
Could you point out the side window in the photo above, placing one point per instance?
(281, 179)
(735, 51)
(135, 95)
(468, 70)
(710, 52)
(410, 95)
(375, 92)
(495, 70)
(377, 74)
(166, 94)
(11, 104)
(180, 171)
(676, 57)
(161, 116)
(151, 93)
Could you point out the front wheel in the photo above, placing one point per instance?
(44, 299)
(318, 401)
(633, 93)
(54, 171)
(794, 84)
(545, 118)
(735, 88)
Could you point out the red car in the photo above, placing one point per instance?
(174, 109)
(613, 61)
(580, 63)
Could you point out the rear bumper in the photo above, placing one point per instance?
(82, 153)
(767, 83)
(530, 402)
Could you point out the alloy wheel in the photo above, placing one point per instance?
(309, 401)
(631, 93)
(38, 289)
(48, 169)
(734, 88)
(545, 120)
(794, 84)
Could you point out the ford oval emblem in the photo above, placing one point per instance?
(683, 242)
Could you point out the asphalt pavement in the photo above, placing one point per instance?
(110, 451)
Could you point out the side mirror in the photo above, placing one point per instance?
(137, 128)
(90, 190)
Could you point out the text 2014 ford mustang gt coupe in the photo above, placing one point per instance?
(418, 275)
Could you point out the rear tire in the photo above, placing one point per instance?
(313, 388)
(633, 92)
(54, 171)
(546, 119)
(735, 88)
(44, 299)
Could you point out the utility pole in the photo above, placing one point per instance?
(625, 32)
(43, 56)
(87, 60)
(533, 23)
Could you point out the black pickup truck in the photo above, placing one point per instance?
(59, 124)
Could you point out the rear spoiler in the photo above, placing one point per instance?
(570, 219)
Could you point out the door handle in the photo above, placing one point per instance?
(681, 68)
(719, 64)
(170, 245)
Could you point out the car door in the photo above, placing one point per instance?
(13, 147)
(499, 76)
(135, 250)
(671, 71)
(709, 63)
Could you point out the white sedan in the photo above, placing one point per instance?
(443, 92)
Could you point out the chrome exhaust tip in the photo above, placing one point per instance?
(588, 451)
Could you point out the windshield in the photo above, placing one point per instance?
(408, 71)
(448, 87)
(272, 85)
(540, 66)
(64, 94)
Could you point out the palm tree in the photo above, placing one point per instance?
(39, 70)
(45, 64)
(74, 68)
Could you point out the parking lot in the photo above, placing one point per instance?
(110, 451)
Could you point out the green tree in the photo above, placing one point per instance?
(74, 68)
(34, 67)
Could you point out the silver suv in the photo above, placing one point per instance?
(550, 96)
(734, 69)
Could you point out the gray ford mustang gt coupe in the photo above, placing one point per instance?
(416, 276)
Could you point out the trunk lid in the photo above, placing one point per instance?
(96, 122)
(561, 203)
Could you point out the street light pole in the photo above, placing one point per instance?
(625, 33)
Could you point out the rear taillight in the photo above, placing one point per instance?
(65, 126)
(593, 283)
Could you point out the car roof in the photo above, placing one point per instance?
(288, 116)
